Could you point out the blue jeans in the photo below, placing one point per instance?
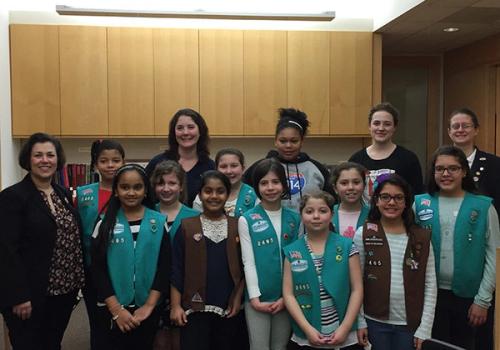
(384, 336)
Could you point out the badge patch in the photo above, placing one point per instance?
(299, 265)
(255, 216)
(425, 214)
(247, 199)
(87, 191)
(197, 298)
(371, 226)
(260, 226)
(425, 201)
(295, 254)
(197, 237)
(473, 216)
(119, 229)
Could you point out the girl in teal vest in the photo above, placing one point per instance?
(465, 235)
(264, 231)
(231, 162)
(131, 261)
(322, 283)
(169, 184)
(348, 182)
(106, 156)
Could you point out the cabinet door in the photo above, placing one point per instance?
(130, 81)
(176, 71)
(221, 81)
(264, 80)
(84, 88)
(351, 81)
(308, 77)
(34, 58)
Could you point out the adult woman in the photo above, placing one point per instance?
(188, 144)
(41, 260)
(383, 156)
(304, 174)
(465, 235)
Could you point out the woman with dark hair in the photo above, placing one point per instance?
(303, 173)
(399, 275)
(131, 262)
(383, 156)
(465, 235)
(41, 260)
(188, 144)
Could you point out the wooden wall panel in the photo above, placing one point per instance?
(221, 81)
(130, 81)
(350, 82)
(264, 80)
(83, 74)
(34, 57)
(176, 74)
(308, 77)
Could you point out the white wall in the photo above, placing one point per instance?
(384, 11)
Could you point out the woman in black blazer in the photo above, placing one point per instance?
(41, 261)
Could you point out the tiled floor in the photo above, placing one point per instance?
(77, 333)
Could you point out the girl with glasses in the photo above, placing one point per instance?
(399, 276)
(465, 235)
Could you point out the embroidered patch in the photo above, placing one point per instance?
(299, 265)
(119, 229)
(425, 201)
(87, 191)
(197, 298)
(473, 216)
(371, 226)
(248, 199)
(255, 216)
(425, 214)
(294, 254)
(260, 226)
(197, 237)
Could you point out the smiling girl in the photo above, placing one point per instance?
(207, 275)
(265, 230)
(465, 235)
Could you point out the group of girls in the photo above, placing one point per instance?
(246, 257)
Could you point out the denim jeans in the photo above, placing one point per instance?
(384, 336)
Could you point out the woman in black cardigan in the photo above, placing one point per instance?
(41, 262)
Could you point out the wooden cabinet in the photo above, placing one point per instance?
(308, 77)
(264, 80)
(130, 81)
(350, 82)
(83, 79)
(34, 57)
(221, 81)
(176, 74)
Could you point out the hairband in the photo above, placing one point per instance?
(294, 122)
(130, 166)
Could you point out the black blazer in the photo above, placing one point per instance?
(27, 238)
(486, 174)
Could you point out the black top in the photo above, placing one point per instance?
(193, 176)
(99, 268)
(27, 239)
(401, 161)
(486, 173)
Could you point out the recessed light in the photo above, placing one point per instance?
(451, 29)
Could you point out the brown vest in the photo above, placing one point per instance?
(377, 272)
(195, 274)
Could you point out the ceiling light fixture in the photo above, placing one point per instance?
(198, 14)
(451, 30)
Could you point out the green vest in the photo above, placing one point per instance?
(246, 200)
(132, 271)
(361, 219)
(266, 250)
(88, 207)
(184, 212)
(468, 240)
(335, 276)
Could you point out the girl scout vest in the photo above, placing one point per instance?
(184, 212)
(361, 220)
(266, 250)
(335, 273)
(246, 200)
(468, 240)
(195, 275)
(87, 204)
(132, 270)
(377, 272)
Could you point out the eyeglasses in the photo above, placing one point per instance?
(452, 169)
(464, 126)
(386, 198)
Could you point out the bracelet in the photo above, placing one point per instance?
(115, 317)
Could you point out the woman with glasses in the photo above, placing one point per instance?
(399, 276)
(465, 235)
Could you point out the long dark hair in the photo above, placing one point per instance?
(113, 205)
(467, 182)
(407, 215)
(98, 146)
(203, 141)
(40, 137)
(346, 166)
